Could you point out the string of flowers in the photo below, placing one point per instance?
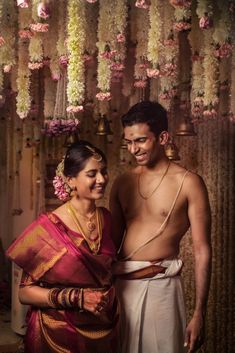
(205, 13)
(141, 51)
(182, 15)
(222, 32)
(211, 66)
(169, 65)
(154, 39)
(35, 45)
(23, 99)
(105, 53)
(76, 45)
(197, 84)
(51, 57)
(61, 47)
(8, 21)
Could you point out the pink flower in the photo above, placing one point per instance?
(169, 69)
(182, 26)
(91, 1)
(46, 62)
(104, 96)
(2, 41)
(63, 60)
(25, 34)
(223, 51)
(142, 4)
(196, 57)
(117, 66)
(7, 68)
(170, 42)
(210, 113)
(108, 54)
(87, 58)
(61, 188)
(117, 74)
(140, 83)
(205, 22)
(43, 10)
(181, 3)
(35, 65)
(153, 73)
(164, 95)
(55, 76)
(143, 66)
(75, 109)
(23, 3)
(39, 27)
(121, 38)
(198, 100)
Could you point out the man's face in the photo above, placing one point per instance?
(142, 143)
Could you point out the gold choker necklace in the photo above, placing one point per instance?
(93, 240)
(156, 187)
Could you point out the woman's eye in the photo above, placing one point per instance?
(91, 175)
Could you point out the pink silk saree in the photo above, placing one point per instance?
(53, 255)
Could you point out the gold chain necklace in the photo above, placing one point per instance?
(156, 187)
(94, 242)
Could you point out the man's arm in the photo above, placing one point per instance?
(200, 222)
(118, 219)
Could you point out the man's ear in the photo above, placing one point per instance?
(163, 137)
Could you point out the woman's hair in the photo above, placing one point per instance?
(151, 113)
(78, 154)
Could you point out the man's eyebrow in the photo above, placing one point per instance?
(136, 139)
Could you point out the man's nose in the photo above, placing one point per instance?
(133, 147)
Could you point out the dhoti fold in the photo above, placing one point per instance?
(152, 309)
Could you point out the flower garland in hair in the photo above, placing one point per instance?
(8, 20)
(154, 39)
(76, 45)
(205, 13)
(23, 99)
(141, 52)
(62, 189)
(211, 70)
(105, 51)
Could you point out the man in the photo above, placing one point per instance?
(153, 206)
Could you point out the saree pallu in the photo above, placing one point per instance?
(52, 255)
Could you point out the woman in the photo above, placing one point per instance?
(66, 256)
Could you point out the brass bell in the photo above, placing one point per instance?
(70, 139)
(103, 127)
(172, 151)
(186, 128)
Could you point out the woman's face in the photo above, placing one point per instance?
(91, 181)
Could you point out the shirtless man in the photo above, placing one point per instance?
(153, 206)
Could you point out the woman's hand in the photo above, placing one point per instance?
(95, 301)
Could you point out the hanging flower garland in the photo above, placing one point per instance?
(205, 13)
(106, 53)
(222, 32)
(141, 52)
(182, 15)
(23, 99)
(211, 70)
(76, 45)
(154, 39)
(8, 21)
(197, 84)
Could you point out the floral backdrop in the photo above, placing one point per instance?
(70, 68)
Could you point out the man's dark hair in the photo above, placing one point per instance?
(151, 113)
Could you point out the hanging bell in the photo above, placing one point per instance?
(103, 127)
(70, 139)
(172, 151)
(186, 128)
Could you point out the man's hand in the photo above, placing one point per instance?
(194, 336)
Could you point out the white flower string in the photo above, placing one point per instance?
(211, 71)
(76, 45)
(182, 16)
(23, 99)
(105, 53)
(8, 18)
(154, 39)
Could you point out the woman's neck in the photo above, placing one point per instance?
(84, 207)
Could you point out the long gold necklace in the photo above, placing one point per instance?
(92, 241)
(156, 187)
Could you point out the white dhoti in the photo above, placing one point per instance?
(152, 309)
